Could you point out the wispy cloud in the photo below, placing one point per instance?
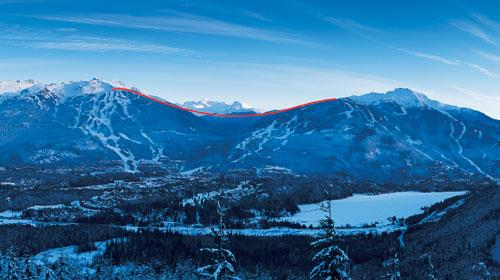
(476, 95)
(45, 40)
(97, 44)
(474, 30)
(66, 29)
(481, 69)
(484, 71)
(181, 22)
(213, 6)
(489, 56)
(24, 63)
(432, 57)
(350, 25)
(486, 21)
(255, 15)
(282, 84)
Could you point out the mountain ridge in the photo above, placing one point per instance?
(411, 138)
(219, 107)
(401, 96)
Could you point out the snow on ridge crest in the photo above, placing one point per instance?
(7, 87)
(402, 96)
(84, 87)
(219, 107)
(63, 89)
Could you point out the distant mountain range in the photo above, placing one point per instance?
(219, 107)
(396, 136)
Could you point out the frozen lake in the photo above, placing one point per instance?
(360, 209)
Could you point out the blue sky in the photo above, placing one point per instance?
(270, 54)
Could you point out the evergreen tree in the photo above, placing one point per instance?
(10, 266)
(45, 273)
(183, 271)
(2, 265)
(144, 273)
(392, 267)
(221, 266)
(332, 261)
(430, 269)
(28, 269)
(99, 273)
(105, 272)
(64, 269)
(481, 271)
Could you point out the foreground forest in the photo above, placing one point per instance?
(459, 245)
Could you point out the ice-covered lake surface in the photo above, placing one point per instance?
(361, 209)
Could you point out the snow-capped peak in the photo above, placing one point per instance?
(54, 93)
(243, 105)
(63, 89)
(219, 107)
(75, 88)
(69, 89)
(7, 87)
(402, 96)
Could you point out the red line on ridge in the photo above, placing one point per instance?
(221, 115)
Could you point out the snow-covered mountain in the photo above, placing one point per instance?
(219, 107)
(394, 135)
(397, 136)
(404, 97)
(7, 87)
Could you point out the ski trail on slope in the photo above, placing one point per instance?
(455, 165)
(403, 111)
(351, 110)
(457, 141)
(156, 150)
(460, 148)
(264, 135)
(99, 122)
(371, 121)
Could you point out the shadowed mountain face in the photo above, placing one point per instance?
(397, 136)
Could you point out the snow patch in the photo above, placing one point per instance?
(193, 171)
(84, 259)
(7, 87)
(42, 207)
(460, 149)
(361, 209)
(10, 214)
